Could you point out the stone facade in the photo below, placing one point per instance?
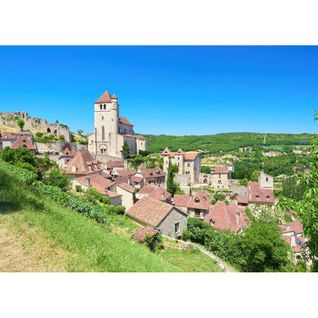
(35, 125)
(111, 131)
(189, 164)
(174, 224)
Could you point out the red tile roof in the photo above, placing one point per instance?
(157, 193)
(149, 211)
(127, 187)
(96, 181)
(152, 173)
(124, 121)
(188, 155)
(226, 217)
(124, 172)
(220, 170)
(199, 201)
(110, 164)
(136, 179)
(294, 226)
(24, 142)
(84, 163)
(105, 98)
(256, 194)
(141, 234)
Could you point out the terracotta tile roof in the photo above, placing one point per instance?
(124, 179)
(141, 234)
(105, 98)
(127, 187)
(110, 164)
(96, 181)
(112, 194)
(24, 142)
(242, 200)
(140, 137)
(199, 201)
(226, 217)
(68, 153)
(258, 195)
(188, 155)
(84, 163)
(152, 173)
(136, 179)
(149, 211)
(124, 121)
(294, 226)
(124, 172)
(220, 170)
(157, 193)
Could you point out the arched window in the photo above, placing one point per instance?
(101, 107)
(104, 106)
(103, 133)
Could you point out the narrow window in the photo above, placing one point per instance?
(101, 107)
(177, 227)
(103, 133)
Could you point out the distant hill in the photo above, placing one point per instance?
(225, 141)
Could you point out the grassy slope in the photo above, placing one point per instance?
(76, 243)
(223, 142)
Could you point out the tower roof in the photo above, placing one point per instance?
(105, 98)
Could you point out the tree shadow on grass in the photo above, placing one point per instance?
(7, 207)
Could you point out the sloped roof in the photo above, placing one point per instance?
(98, 182)
(220, 170)
(124, 121)
(188, 155)
(152, 173)
(226, 217)
(199, 201)
(154, 192)
(256, 194)
(84, 162)
(127, 187)
(105, 98)
(114, 164)
(141, 234)
(294, 226)
(124, 172)
(149, 211)
(24, 142)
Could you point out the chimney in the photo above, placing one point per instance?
(88, 182)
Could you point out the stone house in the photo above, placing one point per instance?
(127, 193)
(66, 156)
(18, 140)
(194, 206)
(227, 217)
(165, 218)
(99, 182)
(155, 176)
(155, 192)
(112, 131)
(83, 163)
(189, 165)
(220, 178)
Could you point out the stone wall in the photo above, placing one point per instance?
(35, 124)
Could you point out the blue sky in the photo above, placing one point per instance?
(167, 90)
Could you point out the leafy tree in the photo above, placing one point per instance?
(18, 155)
(218, 197)
(255, 175)
(263, 248)
(172, 187)
(80, 132)
(125, 150)
(20, 123)
(94, 196)
(205, 169)
(55, 177)
(293, 188)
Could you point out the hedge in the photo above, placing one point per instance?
(97, 212)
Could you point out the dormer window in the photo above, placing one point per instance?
(267, 197)
(257, 196)
(196, 199)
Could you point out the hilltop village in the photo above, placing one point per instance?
(159, 191)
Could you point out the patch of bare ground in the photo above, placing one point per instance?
(25, 249)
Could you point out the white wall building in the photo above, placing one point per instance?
(111, 131)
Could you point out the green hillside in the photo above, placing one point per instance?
(37, 234)
(224, 142)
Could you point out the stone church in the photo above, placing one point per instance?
(112, 131)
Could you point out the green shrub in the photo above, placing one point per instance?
(39, 134)
(154, 243)
(55, 177)
(93, 195)
(78, 188)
